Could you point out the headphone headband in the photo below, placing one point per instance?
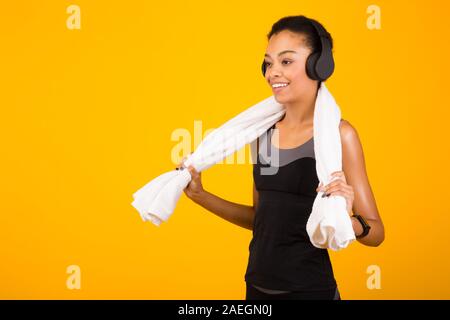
(319, 29)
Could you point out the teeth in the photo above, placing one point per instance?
(277, 85)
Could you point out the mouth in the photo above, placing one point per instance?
(279, 88)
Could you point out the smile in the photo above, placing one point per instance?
(279, 87)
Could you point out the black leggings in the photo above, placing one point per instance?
(254, 294)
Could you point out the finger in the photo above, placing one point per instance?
(339, 193)
(179, 164)
(339, 174)
(331, 190)
(338, 178)
(341, 187)
(193, 172)
(334, 183)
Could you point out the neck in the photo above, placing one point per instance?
(300, 113)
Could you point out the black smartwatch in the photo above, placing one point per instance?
(364, 224)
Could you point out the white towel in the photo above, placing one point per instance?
(329, 225)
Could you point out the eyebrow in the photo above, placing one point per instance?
(282, 52)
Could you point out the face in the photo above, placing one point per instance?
(285, 60)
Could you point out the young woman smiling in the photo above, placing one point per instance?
(283, 264)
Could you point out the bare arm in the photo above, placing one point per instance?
(364, 201)
(239, 214)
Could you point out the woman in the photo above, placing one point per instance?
(283, 263)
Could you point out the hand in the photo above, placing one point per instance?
(339, 187)
(194, 189)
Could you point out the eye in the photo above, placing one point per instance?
(268, 63)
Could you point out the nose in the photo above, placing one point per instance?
(272, 73)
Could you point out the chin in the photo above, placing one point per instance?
(281, 99)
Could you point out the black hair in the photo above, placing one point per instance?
(300, 24)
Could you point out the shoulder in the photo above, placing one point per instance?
(349, 135)
(352, 150)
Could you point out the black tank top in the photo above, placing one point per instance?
(281, 256)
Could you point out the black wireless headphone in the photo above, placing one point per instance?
(320, 64)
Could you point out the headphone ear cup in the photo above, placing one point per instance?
(325, 67)
(311, 65)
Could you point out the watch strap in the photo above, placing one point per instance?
(364, 224)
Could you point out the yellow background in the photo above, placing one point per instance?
(86, 119)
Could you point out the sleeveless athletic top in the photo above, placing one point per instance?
(281, 256)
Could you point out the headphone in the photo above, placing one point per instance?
(320, 64)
